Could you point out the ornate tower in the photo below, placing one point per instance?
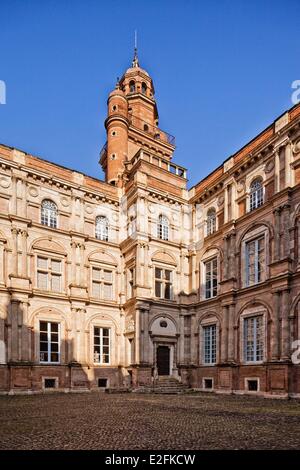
(132, 124)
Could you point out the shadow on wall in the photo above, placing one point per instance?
(34, 361)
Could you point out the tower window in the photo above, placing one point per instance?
(132, 87)
(115, 107)
(144, 88)
(113, 133)
(113, 156)
(146, 127)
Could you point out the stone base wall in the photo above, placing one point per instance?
(273, 379)
(19, 378)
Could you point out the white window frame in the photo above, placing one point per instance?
(102, 228)
(49, 272)
(50, 213)
(250, 313)
(211, 221)
(204, 329)
(257, 272)
(102, 282)
(101, 328)
(49, 342)
(163, 281)
(206, 262)
(256, 195)
(163, 228)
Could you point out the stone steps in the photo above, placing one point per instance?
(164, 386)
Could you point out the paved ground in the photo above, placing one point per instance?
(129, 421)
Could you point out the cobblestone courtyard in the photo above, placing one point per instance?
(130, 421)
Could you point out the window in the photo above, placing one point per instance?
(211, 278)
(254, 339)
(102, 285)
(146, 128)
(211, 221)
(49, 342)
(101, 345)
(144, 88)
(256, 194)
(49, 213)
(210, 344)
(130, 282)
(163, 283)
(49, 274)
(101, 231)
(132, 87)
(163, 228)
(255, 261)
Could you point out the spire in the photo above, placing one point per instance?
(135, 62)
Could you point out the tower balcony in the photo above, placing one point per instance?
(153, 131)
(158, 161)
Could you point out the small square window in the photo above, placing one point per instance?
(252, 385)
(49, 383)
(102, 383)
(208, 384)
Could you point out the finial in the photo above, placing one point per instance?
(118, 83)
(135, 62)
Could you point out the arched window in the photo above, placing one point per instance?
(144, 88)
(49, 213)
(146, 127)
(211, 221)
(256, 194)
(163, 228)
(101, 230)
(132, 87)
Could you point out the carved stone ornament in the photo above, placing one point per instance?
(129, 325)
(33, 191)
(4, 182)
(269, 166)
(241, 186)
(296, 146)
(220, 200)
(65, 201)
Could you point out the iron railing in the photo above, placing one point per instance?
(152, 130)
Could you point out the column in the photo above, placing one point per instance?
(2, 252)
(231, 310)
(276, 213)
(232, 258)
(14, 232)
(277, 172)
(26, 332)
(285, 333)
(288, 170)
(275, 343)
(224, 334)
(193, 339)
(24, 235)
(14, 330)
(181, 339)
(146, 358)
(137, 336)
(82, 277)
(225, 243)
(286, 233)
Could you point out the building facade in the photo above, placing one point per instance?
(116, 283)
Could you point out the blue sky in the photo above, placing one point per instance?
(222, 72)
